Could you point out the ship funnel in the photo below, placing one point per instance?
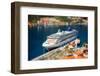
(69, 28)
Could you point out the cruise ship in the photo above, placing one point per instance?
(60, 38)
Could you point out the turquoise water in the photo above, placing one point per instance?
(37, 35)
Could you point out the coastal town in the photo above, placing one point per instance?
(47, 21)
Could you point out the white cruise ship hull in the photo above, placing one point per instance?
(60, 43)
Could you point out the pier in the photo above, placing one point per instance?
(69, 51)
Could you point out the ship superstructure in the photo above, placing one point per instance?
(60, 38)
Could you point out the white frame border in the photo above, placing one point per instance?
(25, 64)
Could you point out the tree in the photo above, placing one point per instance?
(64, 19)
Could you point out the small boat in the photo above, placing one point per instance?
(60, 38)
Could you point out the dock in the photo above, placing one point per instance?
(65, 52)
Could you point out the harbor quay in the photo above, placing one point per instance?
(68, 51)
